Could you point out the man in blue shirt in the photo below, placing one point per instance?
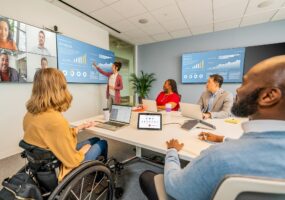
(259, 152)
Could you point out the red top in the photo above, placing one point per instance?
(4, 76)
(163, 99)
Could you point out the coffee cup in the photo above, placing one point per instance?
(168, 107)
(106, 114)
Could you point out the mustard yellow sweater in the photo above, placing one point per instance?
(50, 130)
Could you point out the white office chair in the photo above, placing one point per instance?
(237, 187)
(160, 189)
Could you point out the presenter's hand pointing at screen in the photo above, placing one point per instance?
(94, 64)
(173, 143)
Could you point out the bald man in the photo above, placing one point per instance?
(258, 152)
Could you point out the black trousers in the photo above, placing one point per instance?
(147, 184)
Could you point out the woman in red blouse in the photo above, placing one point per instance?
(168, 95)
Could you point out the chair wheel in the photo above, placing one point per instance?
(119, 192)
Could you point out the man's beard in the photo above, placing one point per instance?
(247, 106)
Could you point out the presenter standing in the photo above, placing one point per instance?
(115, 83)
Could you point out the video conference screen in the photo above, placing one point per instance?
(197, 67)
(75, 59)
(24, 49)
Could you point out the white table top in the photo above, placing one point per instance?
(156, 140)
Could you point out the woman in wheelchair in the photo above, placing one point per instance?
(45, 126)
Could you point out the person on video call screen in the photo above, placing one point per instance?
(6, 37)
(41, 49)
(44, 63)
(7, 73)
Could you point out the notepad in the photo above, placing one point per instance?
(232, 121)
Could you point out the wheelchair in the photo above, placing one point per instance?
(90, 180)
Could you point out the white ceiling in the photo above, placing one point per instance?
(170, 19)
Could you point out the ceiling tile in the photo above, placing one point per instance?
(161, 37)
(254, 9)
(123, 25)
(222, 3)
(152, 28)
(106, 15)
(198, 4)
(180, 33)
(128, 8)
(230, 24)
(135, 33)
(155, 4)
(201, 29)
(67, 8)
(147, 16)
(233, 10)
(197, 12)
(142, 40)
(167, 13)
(175, 24)
(108, 2)
(257, 18)
(197, 19)
(86, 6)
(280, 15)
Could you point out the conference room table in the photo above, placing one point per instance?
(155, 140)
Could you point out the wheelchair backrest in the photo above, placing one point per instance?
(39, 158)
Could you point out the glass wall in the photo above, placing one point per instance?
(125, 53)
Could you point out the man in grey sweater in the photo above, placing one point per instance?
(215, 102)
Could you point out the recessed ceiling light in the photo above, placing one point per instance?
(143, 21)
(265, 4)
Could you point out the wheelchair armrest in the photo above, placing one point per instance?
(26, 146)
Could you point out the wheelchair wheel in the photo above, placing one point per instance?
(94, 182)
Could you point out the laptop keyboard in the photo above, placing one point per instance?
(114, 124)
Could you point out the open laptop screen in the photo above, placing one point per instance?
(121, 113)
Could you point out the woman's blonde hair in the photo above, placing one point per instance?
(49, 92)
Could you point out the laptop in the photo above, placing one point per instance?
(191, 110)
(149, 105)
(120, 116)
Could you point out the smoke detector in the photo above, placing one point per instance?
(143, 21)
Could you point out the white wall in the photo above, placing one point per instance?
(88, 99)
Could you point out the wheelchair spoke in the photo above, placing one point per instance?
(81, 190)
(98, 183)
(94, 181)
(74, 194)
(93, 188)
(106, 189)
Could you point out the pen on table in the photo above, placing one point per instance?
(200, 127)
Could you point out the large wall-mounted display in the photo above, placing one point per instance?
(24, 49)
(75, 59)
(255, 54)
(197, 67)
